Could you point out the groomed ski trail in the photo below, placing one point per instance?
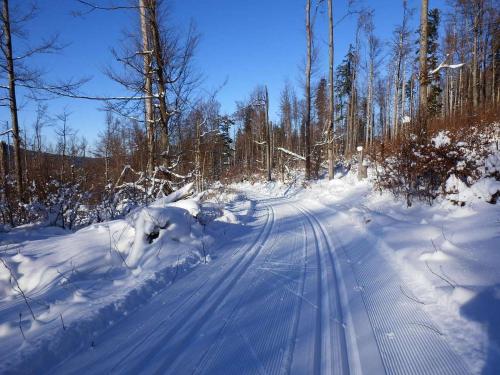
(276, 299)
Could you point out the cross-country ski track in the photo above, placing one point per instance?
(282, 296)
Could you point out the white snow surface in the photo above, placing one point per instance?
(441, 139)
(329, 278)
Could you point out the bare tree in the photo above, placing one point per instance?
(331, 127)
(162, 72)
(14, 62)
(146, 52)
(64, 132)
(307, 121)
(401, 50)
(424, 10)
(6, 46)
(373, 53)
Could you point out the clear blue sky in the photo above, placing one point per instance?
(246, 42)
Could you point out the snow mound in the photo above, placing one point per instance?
(484, 189)
(79, 283)
(152, 224)
(441, 139)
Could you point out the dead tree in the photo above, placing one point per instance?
(400, 52)
(6, 46)
(308, 91)
(331, 127)
(268, 137)
(144, 6)
(424, 10)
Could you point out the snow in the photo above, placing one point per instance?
(93, 277)
(441, 139)
(326, 277)
(492, 163)
(446, 256)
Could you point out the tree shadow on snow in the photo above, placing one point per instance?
(485, 309)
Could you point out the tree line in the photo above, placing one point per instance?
(159, 134)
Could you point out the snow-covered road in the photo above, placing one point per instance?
(281, 295)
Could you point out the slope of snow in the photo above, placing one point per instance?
(77, 284)
(447, 256)
(325, 277)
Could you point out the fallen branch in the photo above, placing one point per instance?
(288, 152)
(409, 297)
(18, 287)
(21, 326)
(441, 277)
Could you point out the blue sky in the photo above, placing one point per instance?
(244, 42)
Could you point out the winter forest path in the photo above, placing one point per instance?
(281, 296)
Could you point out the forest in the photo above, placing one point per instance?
(384, 97)
(250, 187)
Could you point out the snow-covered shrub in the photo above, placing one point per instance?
(448, 163)
(65, 205)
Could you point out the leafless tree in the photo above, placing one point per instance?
(307, 121)
(331, 127)
(424, 10)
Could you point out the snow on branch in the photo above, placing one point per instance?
(288, 152)
(443, 65)
(6, 132)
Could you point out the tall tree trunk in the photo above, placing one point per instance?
(197, 157)
(387, 133)
(395, 114)
(308, 90)
(331, 127)
(475, 61)
(403, 91)
(144, 10)
(424, 32)
(268, 139)
(161, 82)
(474, 83)
(18, 169)
(369, 107)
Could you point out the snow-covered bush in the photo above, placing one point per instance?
(448, 163)
(65, 205)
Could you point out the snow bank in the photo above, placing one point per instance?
(79, 283)
(445, 254)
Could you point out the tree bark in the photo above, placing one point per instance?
(423, 66)
(475, 59)
(161, 82)
(18, 169)
(144, 6)
(308, 90)
(268, 139)
(331, 127)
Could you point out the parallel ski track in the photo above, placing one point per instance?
(332, 337)
(296, 315)
(159, 316)
(282, 361)
(408, 340)
(220, 289)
